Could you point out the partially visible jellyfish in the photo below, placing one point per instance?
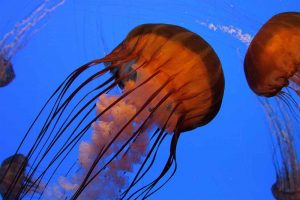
(15, 40)
(272, 67)
(161, 80)
(272, 61)
(12, 172)
(285, 155)
(7, 73)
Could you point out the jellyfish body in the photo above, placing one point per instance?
(171, 81)
(281, 191)
(16, 39)
(285, 155)
(164, 49)
(12, 177)
(7, 73)
(272, 65)
(272, 61)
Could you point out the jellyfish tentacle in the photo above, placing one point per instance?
(70, 114)
(59, 111)
(145, 190)
(162, 135)
(140, 130)
(290, 99)
(274, 121)
(171, 160)
(63, 86)
(156, 145)
(291, 104)
(287, 174)
(85, 182)
(50, 118)
(136, 179)
(133, 182)
(20, 29)
(79, 135)
(66, 82)
(295, 81)
(88, 103)
(77, 138)
(16, 39)
(22, 23)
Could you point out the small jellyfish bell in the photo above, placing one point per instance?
(272, 61)
(160, 80)
(287, 188)
(13, 179)
(7, 73)
(15, 39)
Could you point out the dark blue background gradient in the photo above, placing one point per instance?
(230, 158)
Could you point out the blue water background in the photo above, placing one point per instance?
(229, 159)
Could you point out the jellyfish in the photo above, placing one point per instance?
(7, 73)
(285, 157)
(12, 172)
(16, 39)
(272, 65)
(272, 60)
(161, 80)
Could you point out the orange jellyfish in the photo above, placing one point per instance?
(272, 61)
(164, 80)
(15, 39)
(272, 66)
(12, 173)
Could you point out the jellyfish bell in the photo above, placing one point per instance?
(287, 185)
(281, 195)
(156, 45)
(272, 60)
(284, 194)
(8, 171)
(13, 179)
(7, 73)
(171, 82)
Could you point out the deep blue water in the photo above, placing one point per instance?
(230, 158)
